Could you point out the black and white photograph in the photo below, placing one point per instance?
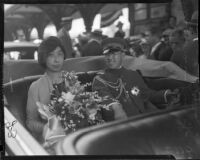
(101, 79)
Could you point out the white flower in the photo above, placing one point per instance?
(60, 100)
(92, 116)
(68, 97)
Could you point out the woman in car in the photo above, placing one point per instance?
(51, 57)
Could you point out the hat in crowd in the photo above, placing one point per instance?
(66, 20)
(113, 44)
(167, 32)
(97, 32)
(194, 19)
(143, 41)
(119, 24)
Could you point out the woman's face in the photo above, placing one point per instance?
(55, 60)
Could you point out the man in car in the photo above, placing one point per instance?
(126, 86)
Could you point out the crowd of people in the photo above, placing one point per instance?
(169, 44)
(178, 44)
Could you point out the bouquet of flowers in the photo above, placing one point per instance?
(73, 107)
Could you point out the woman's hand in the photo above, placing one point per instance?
(44, 111)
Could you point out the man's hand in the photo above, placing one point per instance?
(172, 97)
(118, 111)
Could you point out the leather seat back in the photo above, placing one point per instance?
(16, 93)
(22, 68)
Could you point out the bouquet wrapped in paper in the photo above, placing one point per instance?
(71, 107)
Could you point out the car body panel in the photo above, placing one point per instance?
(171, 132)
(20, 142)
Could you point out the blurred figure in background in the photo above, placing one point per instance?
(172, 22)
(177, 40)
(187, 58)
(120, 33)
(136, 49)
(63, 35)
(146, 48)
(166, 52)
(192, 27)
(20, 35)
(163, 50)
(93, 47)
(153, 37)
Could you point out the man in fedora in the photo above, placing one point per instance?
(126, 86)
(63, 35)
(93, 47)
(120, 33)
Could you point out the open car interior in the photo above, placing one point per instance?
(174, 131)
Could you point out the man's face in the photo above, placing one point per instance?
(176, 43)
(55, 60)
(115, 59)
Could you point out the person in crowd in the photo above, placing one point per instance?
(126, 86)
(142, 35)
(163, 50)
(187, 58)
(51, 55)
(82, 40)
(136, 50)
(140, 48)
(93, 47)
(192, 27)
(153, 38)
(120, 33)
(172, 22)
(177, 40)
(63, 35)
(145, 47)
(20, 35)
